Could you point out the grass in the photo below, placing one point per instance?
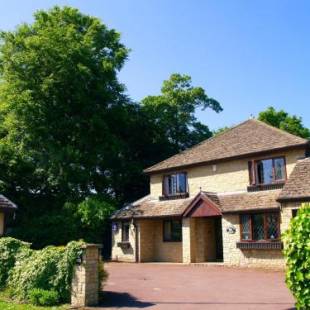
(7, 304)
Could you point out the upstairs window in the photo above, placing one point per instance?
(175, 184)
(260, 226)
(267, 171)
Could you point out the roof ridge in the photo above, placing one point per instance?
(253, 125)
(279, 130)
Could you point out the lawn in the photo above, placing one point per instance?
(7, 304)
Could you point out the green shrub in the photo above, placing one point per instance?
(41, 297)
(50, 269)
(40, 276)
(297, 253)
(11, 250)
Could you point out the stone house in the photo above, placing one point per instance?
(227, 199)
(7, 207)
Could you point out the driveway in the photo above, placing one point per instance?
(168, 286)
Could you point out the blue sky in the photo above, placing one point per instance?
(246, 54)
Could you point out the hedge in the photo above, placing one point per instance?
(297, 253)
(38, 275)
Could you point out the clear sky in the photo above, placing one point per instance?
(246, 54)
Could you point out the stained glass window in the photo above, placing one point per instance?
(260, 226)
(246, 227)
(272, 226)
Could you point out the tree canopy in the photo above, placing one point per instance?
(173, 111)
(59, 98)
(283, 120)
(72, 144)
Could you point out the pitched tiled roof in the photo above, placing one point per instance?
(247, 138)
(150, 207)
(248, 201)
(297, 186)
(227, 203)
(6, 204)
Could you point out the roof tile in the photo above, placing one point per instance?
(251, 136)
(149, 207)
(298, 184)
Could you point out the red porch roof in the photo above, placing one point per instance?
(202, 206)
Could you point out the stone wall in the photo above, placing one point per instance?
(198, 243)
(85, 282)
(166, 251)
(151, 247)
(124, 253)
(227, 176)
(287, 211)
(1, 223)
(253, 258)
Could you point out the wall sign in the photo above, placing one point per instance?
(231, 229)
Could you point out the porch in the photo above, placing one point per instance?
(180, 240)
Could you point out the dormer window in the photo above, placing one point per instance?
(267, 171)
(175, 184)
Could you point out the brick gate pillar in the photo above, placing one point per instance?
(85, 283)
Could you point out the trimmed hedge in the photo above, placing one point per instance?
(297, 253)
(38, 275)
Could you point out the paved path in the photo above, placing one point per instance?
(167, 286)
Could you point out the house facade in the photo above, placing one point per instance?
(7, 208)
(227, 199)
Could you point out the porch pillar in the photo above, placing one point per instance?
(188, 240)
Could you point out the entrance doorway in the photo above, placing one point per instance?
(208, 236)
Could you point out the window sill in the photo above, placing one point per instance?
(264, 187)
(260, 245)
(177, 196)
(172, 241)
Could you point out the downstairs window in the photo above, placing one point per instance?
(260, 227)
(125, 231)
(172, 230)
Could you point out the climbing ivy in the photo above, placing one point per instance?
(297, 253)
(50, 269)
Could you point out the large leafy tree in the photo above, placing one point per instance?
(60, 104)
(283, 120)
(69, 136)
(159, 127)
(60, 99)
(172, 112)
